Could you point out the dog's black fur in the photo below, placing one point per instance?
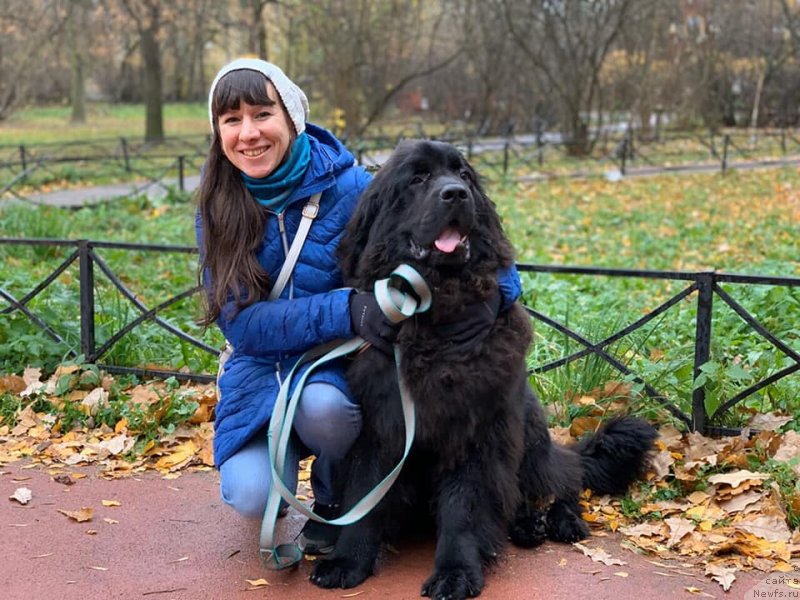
(483, 464)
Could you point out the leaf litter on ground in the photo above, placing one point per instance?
(703, 503)
(712, 502)
(118, 451)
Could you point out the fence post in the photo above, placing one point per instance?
(23, 158)
(86, 275)
(783, 141)
(624, 155)
(506, 145)
(702, 347)
(181, 185)
(711, 145)
(725, 143)
(125, 156)
(469, 148)
(630, 148)
(539, 142)
(659, 112)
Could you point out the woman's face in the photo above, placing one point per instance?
(256, 138)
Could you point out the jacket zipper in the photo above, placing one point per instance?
(285, 244)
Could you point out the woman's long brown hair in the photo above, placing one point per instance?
(233, 223)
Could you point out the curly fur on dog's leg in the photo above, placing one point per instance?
(471, 523)
(350, 566)
(458, 570)
(550, 483)
(356, 551)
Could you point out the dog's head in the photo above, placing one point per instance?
(425, 207)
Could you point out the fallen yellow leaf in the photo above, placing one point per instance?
(84, 514)
(111, 503)
(181, 454)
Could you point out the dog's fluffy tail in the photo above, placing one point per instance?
(617, 455)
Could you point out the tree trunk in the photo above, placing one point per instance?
(577, 142)
(151, 65)
(757, 100)
(76, 34)
(257, 31)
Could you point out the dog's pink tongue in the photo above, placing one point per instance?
(448, 240)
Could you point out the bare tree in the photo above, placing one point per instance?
(791, 13)
(755, 33)
(568, 42)
(253, 22)
(77, 27)
(485, 87)
(638, 70)
(27, 30)
(147, 18)
(361, 54)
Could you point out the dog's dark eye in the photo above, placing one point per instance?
(465, 175)
(420, 178)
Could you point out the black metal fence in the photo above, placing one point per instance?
(706, 285)
(28, 169)
(90, 264)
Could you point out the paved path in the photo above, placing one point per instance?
(174, 539)
(77, 197)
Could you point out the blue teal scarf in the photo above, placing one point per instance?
(273, 191)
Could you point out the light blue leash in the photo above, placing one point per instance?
(397, 306)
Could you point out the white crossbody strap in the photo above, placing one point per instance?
(310, 211)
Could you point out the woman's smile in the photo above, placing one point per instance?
(255, 152)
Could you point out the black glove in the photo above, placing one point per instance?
(370, 323)
(471, 325)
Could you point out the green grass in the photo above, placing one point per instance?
(740, 222)
(37, 125)
(152, 276)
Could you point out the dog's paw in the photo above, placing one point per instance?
(565, 526)
(529, 530)
(338, 573)
(453, 584)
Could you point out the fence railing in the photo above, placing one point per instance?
(29, 169)
(90, 264)
(705, 285)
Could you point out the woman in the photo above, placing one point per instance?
(264, 164)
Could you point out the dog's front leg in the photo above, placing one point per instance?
(467, 532)
(353, 558)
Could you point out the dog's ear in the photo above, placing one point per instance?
(492, 241)
(383, 188)
(357, 234)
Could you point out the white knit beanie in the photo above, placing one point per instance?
(292, 96)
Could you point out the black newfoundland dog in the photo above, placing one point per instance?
(483, 466)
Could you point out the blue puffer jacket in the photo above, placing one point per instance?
(269, 337)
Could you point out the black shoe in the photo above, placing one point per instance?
(319, 538)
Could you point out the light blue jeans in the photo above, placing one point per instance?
(326, 424)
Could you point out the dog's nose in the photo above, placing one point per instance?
(453, 192)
